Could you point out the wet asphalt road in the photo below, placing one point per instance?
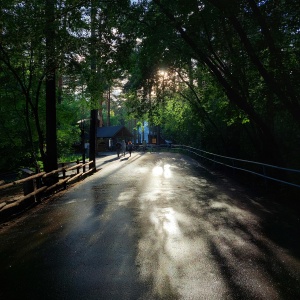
(152, 226)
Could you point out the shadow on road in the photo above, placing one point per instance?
(175, 233)
(244, 247)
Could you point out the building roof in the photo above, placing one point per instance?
(113, 131)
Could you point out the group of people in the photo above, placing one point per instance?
(121, 148)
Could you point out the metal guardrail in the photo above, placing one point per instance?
(236, 164)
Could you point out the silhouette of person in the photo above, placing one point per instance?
(118, 148)
(123, 147)
(129, 147)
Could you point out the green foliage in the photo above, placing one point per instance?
(238, 67)
(182, 124)
(69, 158)
(23, 64)
(220, 74)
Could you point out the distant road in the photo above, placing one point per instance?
(152, 226)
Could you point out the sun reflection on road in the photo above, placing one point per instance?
(165, 221)
(162, 171)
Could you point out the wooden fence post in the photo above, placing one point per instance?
(64, 175)
(78, 167)
(28, 186)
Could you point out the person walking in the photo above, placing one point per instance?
(123, 147)
(129, 147)
(118, 148)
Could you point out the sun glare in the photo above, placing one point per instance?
(163, 73)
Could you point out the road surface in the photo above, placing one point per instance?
(152, 226)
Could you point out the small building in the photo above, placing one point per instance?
(107, 137)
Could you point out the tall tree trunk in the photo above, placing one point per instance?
(94, 112)
(108, 108)
(50, 162)
(100, 122)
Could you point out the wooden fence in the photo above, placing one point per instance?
(36, 186)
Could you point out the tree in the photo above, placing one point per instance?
(53, 50)
(21, 54)
(228, 38)
(50, 162)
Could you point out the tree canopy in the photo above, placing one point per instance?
(221, 75)
(239, 60)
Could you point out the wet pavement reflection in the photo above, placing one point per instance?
(152, 226)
